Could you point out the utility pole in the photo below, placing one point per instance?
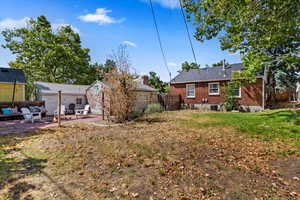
(59, 109)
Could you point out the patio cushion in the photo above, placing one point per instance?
(34, 109)
(43, 109)
(6, 111)
(14, 110)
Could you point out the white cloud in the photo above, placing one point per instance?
(58, 26)
(13, 23)
(172, 64)
(100, 17)
(166, 3)
(129, 43)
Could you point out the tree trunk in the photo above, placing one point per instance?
(271, 93)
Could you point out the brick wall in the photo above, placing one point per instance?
(251, 95)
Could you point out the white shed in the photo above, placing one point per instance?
(94, 96)
(145, 95)
(71, 94)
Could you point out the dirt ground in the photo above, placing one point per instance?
(157, 157)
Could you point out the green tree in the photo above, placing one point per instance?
(281, 74)
(97, 71)
(157, 83)
(186, 66)
(47, 55)
(220, 63)
(258, 30)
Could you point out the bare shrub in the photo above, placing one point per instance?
(120, 84)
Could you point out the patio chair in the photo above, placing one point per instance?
(83, 112)
(30, 116)
(62, 111)
(71, 109)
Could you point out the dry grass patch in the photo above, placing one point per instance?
(161, 156)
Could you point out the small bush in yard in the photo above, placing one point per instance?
(153, 108)
(230, 100)
(136, 113)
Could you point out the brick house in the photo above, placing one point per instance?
(203, 88)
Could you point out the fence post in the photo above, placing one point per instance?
(59, 109)
(103, 106)
(14, 91)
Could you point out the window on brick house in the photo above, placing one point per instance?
(237, 92)
(190, 91)
(213, 88)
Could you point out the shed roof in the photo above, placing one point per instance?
(140, 86)
(53, 88)
(10, 75)
(143, 87)
(208, 74)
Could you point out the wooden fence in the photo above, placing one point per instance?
(170, 101)
(21, 104)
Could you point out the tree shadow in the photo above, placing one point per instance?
(17, 190)
(12, 170)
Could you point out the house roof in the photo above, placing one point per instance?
(9, 75)
(53, 88)
(207, 74)
(143, 87)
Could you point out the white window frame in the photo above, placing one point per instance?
(240, 92)
(186, 88)
(209, 84)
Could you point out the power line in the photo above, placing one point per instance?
(187, 30)
(159, 40)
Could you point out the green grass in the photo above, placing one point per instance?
(270, 125)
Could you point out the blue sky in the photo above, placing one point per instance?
(105, 24)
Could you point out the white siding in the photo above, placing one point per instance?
(94, 96)
(66, 99)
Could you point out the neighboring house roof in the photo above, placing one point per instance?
(53, 88)
(208, 74)
(9, 75)
(139, 87)
(143, 87)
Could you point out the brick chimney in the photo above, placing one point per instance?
(145, 79)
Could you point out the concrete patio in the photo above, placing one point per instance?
(20, 126)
